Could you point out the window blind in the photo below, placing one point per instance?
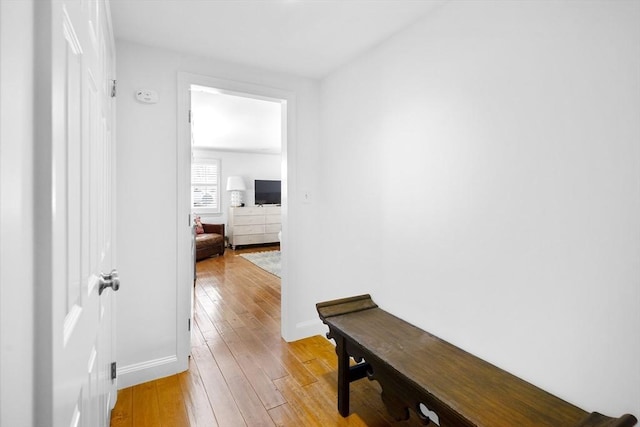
(205, 183)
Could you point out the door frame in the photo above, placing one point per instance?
(185, 270)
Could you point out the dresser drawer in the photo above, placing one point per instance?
(273, 219)
(249, 239)
(248, 211)
(270, 237)
(240, 230)
(272, 210)
(248, 219)
(272, 228)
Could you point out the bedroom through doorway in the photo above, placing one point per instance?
(234, 132)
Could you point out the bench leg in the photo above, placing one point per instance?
(343, 376)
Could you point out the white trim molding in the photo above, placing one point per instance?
(309, 328)
(149, 370)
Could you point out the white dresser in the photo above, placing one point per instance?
(253, 225)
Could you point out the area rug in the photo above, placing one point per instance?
(268, 261)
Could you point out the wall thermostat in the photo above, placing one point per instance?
(147, 96)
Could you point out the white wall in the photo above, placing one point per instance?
(17, 277)
(146, 199)
(250, 166)
(480, 177)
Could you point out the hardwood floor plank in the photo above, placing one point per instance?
(252, 409)
(172, 409)
(260, 354)
(196, 335)
(146, 412)
(282, 351)
(305, 350)
(261, 383)
(122, 416)
(299, 403)
(245, 397)
(196, 400)
(224, 406)
(204, 323)
(283, 415)
(262, 320)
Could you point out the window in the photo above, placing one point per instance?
(205, 186)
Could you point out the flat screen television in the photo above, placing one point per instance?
(268, 192)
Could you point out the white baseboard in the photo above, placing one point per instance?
(307, 329)
(149, 370)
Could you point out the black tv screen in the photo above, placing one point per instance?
(267, 192)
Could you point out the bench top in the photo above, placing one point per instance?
(480, 392)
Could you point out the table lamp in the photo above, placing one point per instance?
(235, 184)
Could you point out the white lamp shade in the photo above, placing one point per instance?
(235, 183)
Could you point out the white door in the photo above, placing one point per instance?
(82, 206)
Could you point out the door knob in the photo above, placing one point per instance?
(110, 280)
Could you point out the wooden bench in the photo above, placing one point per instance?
(418, 370)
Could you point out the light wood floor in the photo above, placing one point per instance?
(241, 373)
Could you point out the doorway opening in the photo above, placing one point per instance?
(238, 153)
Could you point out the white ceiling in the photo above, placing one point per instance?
(304, 37)
(234, 123)
(308, 38)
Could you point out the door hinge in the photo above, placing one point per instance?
(113, 371)
(189, 116)
(113, 88)
(188, 324)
